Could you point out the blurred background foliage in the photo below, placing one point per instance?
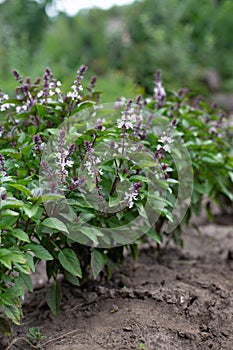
(190, 41)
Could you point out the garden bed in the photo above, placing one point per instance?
(180, 299)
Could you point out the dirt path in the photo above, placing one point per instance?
(181, 300)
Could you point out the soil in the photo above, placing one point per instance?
(179, 299)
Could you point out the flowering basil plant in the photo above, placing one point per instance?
(81, 181)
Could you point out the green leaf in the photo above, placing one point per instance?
(5, 327)
(154, 235)
(9, 212)
(14, 313)
(39, 251)
(30, 210)
(18, 258)
(26, 150)
(51, 197)
(23, 268)
(56, 224)
(92, 233)
(98, 260)
(22, 189)
(54, 131)
(53, 298)
(26, 280)
(231, 175)
(41, 110)
(7, 221)
(134, 250)
(70, 262)
(30, 261)
(8, 151)
(114, 201)
(11, 203)
(20, 234)
(71, 278)
(7, 257)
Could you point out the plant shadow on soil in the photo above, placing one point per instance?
(182, 299)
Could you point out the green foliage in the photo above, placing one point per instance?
(35, 336)
(54, 219)
(185, 39)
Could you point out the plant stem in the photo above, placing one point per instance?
(21, 338)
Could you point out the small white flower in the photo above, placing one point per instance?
(165, 139)
(4, 97)
(5, 106)
(69, 163)
(124, 123)
(167, 148)
(159, 90)
(130, 197)
(21, 109)
(40, 94)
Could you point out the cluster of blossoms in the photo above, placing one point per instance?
(77, 86)
(99, 124)
(38, 144)
(47, 170)
(92, 163)
(133, 194)
(164, 146)
(51, 88)
(30, 93)
(63, 159)
(216, 126)
(77, 182)
(24, 93)
(131, 117)
(131, 121)
(4, 105)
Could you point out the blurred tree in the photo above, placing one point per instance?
(27, 18)
(185, 39)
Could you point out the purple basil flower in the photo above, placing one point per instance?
(47, 170)
(2, 163)
(53, 187)
(182, 93)
(38, 144)
(87, 145)
(17, 76)
(77, 182)
(63, 156)
(99, 124)
(37, 81)
(133, 193)
(77, 87)
(71, 149)
(159, 91)
(92, 84)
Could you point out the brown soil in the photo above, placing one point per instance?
(181, 299)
